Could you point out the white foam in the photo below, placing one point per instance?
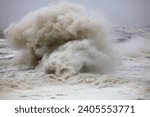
(64, 37)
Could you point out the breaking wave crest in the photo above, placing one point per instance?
(63, 39)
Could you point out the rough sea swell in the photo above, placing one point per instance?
(67, 46)
(64, 39)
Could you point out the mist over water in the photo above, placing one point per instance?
(63, 39)
(68, 47)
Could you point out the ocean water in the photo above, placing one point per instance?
(60, 52)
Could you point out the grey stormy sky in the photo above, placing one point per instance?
(119, 12)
